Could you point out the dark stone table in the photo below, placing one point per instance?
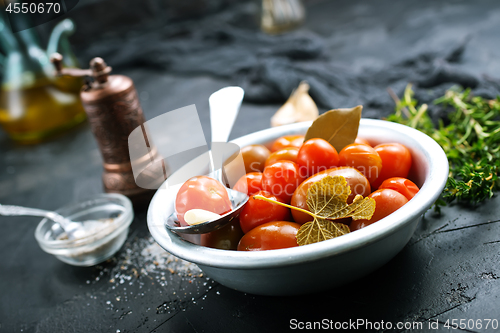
(449, 269)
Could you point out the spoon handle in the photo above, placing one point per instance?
(224, 107)
(8, 210)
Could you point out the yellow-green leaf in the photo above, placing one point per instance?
(313, 232)
(336, 228)
(360, 208)
(319, 230)
(328, 199)
(328, 196)
(327, 202)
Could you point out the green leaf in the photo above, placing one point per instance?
(470, 141)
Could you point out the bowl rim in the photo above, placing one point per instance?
(436, 176)
(119, 224)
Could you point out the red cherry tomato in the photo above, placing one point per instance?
(317, 155)
(396, 161)
(254, 157)
(225, 238)
(257, 212)
(201, 192)
(281, 179)
(387, 202)
(362, 157)
(402, 185)
(362, 141)
(270, 236)
(355, 180)
(286, 154)
(287, 141)
(250, 183)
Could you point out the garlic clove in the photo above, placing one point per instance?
(299, 107)
(196, 216)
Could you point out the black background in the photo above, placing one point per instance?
(448, 270)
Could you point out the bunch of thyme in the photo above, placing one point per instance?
(471, 141)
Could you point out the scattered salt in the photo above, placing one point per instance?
(143, 263)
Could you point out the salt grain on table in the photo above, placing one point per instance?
(142, 262)
(144, 257)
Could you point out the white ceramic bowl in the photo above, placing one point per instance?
(327, 264)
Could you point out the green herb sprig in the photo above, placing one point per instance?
(471, 141)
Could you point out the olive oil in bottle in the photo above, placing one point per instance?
(34, 103)
(30, 114)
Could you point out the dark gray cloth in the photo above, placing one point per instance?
(230, 45)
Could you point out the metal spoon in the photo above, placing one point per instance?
(224, 107)
(73, 230)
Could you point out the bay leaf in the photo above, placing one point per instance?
(339, 127)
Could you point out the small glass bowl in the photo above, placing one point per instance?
(94, 248)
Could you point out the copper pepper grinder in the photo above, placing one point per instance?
(113, 110)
